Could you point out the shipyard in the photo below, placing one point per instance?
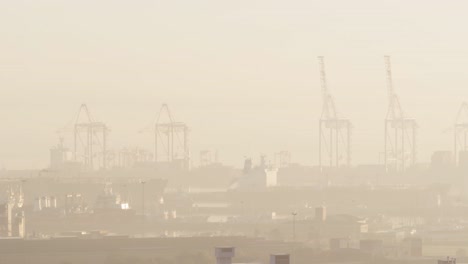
(221, 132)
(134, 204)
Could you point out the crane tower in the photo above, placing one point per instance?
(400, 131)
(460, 146)
(90, 140)
(171, 140)
(334, 132)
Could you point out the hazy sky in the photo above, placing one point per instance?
(242, 74)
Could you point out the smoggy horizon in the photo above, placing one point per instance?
(243, 76)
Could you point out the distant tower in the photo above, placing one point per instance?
(224, 255)
(400, 132)
(334, 132)
(460, 135)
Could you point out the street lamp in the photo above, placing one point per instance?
(294, 225)
(293, 256)
(143, 204)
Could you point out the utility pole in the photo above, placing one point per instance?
(294, 226)
(143, 205)
(293, 256)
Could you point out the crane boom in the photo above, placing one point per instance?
(328, 110)
(388, 69)
(323, 78)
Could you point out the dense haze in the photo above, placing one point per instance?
(242, 74)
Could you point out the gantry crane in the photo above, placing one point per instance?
(460, 133)
(400, 131)
(334, 132)
(90, 140)
(171, 139)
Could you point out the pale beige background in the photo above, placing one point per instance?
(242, 74)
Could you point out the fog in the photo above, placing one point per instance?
(205, 131)
(247, 68)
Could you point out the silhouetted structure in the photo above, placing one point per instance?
(171, 140)
(90, 140)
(400, 131)
(460, 135)
(334, 132)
